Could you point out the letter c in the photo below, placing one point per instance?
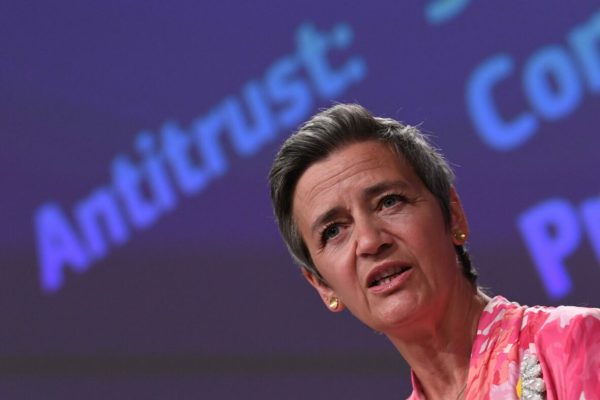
(499, 134)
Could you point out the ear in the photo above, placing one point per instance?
(458, 223)
(326, 293)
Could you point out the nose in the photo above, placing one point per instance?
(371, 238)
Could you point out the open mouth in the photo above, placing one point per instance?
(386, 276)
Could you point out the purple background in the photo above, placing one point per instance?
(206, 303)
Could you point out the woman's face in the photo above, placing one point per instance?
(378, 237)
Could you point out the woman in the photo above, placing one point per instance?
(367, 208)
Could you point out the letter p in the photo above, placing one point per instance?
(551, 232)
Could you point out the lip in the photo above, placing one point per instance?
(394, 283)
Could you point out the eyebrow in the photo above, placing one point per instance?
(325, 218)
(384, 187)
(368, 193)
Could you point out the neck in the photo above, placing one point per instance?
(438, 349)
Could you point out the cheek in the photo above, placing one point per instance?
(337, 268)
(430, 227)
(427, 238)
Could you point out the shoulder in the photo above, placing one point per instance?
(538, 319)
(562, 320)
(567, 341)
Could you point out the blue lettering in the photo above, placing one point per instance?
(439, 11)
(312, 49)
(248, 140)
(590, 212)
(190, 177)
(206, 132)
(585, 42)
(496, 132)
(294, 92)
(551, 80)
(128, 181)
(551, 232)
(194, 157)
(100, 205)
(57, 246)
(159, 184)
(552, 61)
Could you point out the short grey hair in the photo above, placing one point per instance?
(335, 128)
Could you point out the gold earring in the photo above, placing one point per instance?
(334, 303)
(460, 236)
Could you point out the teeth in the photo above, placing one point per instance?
(386, 276)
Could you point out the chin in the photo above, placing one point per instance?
(400, 312)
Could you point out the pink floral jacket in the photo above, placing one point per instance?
(533, 353)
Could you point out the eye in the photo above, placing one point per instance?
(330, 231)
(391, 200)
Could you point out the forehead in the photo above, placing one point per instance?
(352, 167)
